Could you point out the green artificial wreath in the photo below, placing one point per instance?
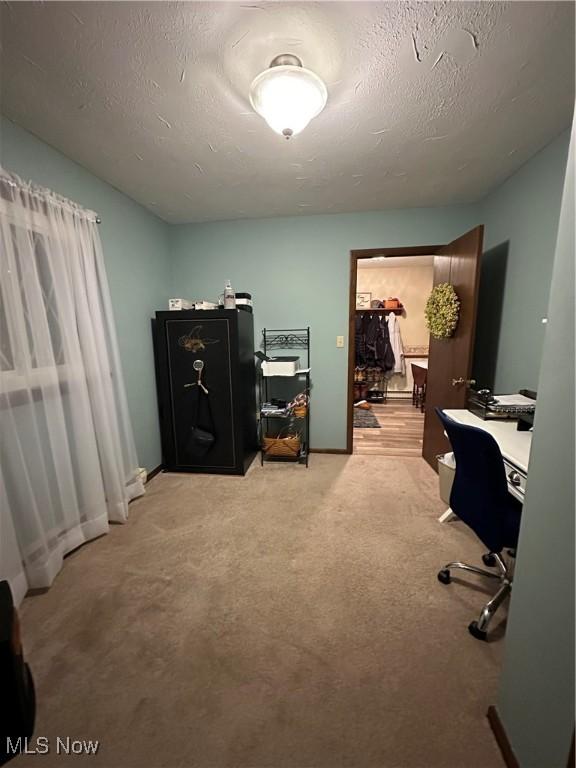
(442, 311)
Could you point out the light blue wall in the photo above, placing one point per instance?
(298, 271)
(536, 699)
(136, 255)
(521, 221)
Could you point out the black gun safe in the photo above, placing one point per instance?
(206, 383)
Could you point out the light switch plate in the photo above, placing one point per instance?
(339, 341)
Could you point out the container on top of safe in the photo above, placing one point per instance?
(280, 366)
(179, 304)
(242, 301)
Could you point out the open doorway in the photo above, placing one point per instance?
(449, 358)
(391, 354)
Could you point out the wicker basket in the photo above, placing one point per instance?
(288, 445)
(300, 411)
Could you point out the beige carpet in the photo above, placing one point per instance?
(288, 619)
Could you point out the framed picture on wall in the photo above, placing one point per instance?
(363, 300)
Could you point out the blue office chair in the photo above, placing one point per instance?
(480, 498)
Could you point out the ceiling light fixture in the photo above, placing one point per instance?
(287, 95)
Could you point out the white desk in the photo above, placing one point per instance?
(514, 446)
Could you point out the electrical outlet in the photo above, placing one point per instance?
(339, 341)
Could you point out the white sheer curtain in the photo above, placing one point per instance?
(68, 463)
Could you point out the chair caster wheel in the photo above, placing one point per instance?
(479, 634)
(489, 560)
(444, 576)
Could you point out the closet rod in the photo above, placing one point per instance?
(380, 311)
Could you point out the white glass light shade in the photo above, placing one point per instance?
(288, 97)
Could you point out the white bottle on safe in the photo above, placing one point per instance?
(229, 296)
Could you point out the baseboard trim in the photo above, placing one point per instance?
(154, 472)
(502, 738)
(328, 450)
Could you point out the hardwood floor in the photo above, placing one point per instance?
(402, 428)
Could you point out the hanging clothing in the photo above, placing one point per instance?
(360, 341)
(378, 349)
(396, 344)
(384, 352)
(372, 332)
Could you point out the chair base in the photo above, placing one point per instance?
(479, 629)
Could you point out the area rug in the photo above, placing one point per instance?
(365, 419)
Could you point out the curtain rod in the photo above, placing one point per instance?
(45, 195)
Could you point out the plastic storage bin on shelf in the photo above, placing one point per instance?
(281, 366)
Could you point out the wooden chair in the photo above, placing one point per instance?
(419, 387)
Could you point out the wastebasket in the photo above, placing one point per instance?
(446, 471)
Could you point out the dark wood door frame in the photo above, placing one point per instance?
(355, 256)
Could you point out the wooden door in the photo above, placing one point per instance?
(450, 360)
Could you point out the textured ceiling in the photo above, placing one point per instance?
(428, 103)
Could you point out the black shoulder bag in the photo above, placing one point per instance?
(200, 440)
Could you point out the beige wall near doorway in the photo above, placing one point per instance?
(412, 285)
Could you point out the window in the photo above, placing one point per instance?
(31, 341)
